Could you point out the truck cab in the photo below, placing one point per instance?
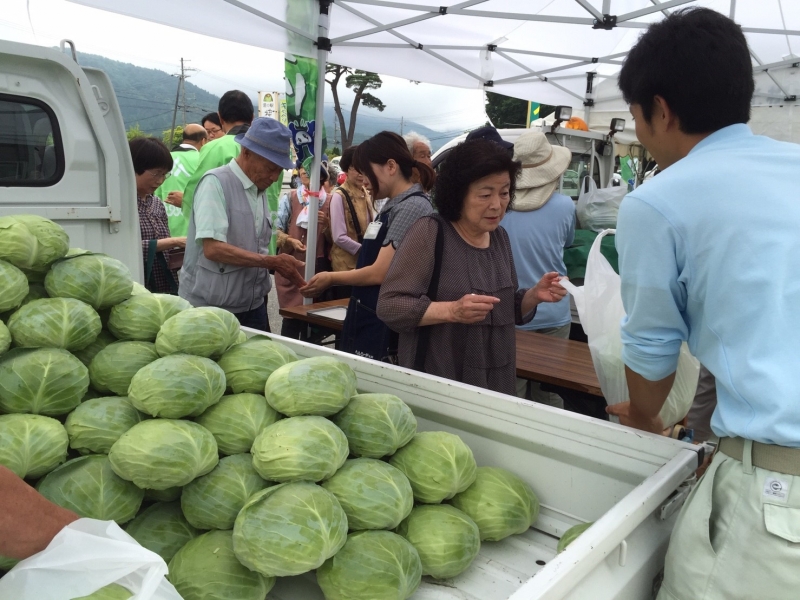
(63, 150)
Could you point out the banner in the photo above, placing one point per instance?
(301, 106)
(533, 112)
(269, 106)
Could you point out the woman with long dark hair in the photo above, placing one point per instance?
(389, 169)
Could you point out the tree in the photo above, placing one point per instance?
(358, 81)
(134, 131)
(176, 139)
(506, 112)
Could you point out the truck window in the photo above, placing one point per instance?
(31, 152)
(575, 173)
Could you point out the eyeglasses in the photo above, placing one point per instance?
(214, 131)
(158, 174)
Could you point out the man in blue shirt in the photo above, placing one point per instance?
(710, 253)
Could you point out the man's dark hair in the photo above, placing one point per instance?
(149, 153)
(213, 117)
(699, 62)
(235, 107)
(197, 136)
(347, 158)
(466, 163)
(383, 147)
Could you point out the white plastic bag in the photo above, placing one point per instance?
(598, 208)
(599, 304)
(83, 557)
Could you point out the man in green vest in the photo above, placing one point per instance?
(185, 158)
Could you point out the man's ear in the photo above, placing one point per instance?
(663, 116)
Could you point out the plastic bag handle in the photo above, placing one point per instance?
(595, 249)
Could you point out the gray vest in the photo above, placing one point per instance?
(237, 289)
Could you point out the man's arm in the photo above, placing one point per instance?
(28, 521)
(646, 400)
(228, 254)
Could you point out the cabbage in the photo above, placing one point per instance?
(5, 340)
(299, 448)
(139, 289)
(373, 494)
(249, 364)
(97, 423)
(206, 331)
(109, 592)
(213, 500)
(376, 425)
(438, 464)
(141, 316)
(43, 381)
(89, 352)
(499, 502)
(162, 528)
(373, 565)
(162, 453)
(177, 386)
(207, 569)
(55, 323)
(32, 445)
(6, 564)
(242, 337)
(14, 285)
(32, 242)
(319, 386)
(447, 539)
(236, 421)
(171, 494)
(90, 488)
(113, 367)
(571, 534)
(98, 280)
(289, 529)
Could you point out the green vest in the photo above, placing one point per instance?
(184, 165)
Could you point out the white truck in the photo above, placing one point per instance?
(64, 155)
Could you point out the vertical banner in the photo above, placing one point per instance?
(269, 106)
(533, 112)
(301, 106)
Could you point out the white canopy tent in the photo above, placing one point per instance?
(548, 51)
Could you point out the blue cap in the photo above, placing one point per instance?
(269, 139)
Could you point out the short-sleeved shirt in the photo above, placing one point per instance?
(406, 209)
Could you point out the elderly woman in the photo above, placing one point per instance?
(451, 291)
(152, 164)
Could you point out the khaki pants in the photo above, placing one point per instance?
(532, 390)
(737, 537)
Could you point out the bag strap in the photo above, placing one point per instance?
(148, 267)
(433, 288)
(353, 214)
(162, 260)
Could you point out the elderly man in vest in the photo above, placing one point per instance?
(228, 263)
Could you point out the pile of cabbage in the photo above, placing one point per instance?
(232, 459)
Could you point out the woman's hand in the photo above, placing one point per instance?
(169, 243)
(293, 245)
(317, 284)
(178, 242)
(471, 308)
(175, 198)
(548, 289)
(322, 220)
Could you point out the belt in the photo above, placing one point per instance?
(765, 456)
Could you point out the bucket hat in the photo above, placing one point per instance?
(269, 139)
(542, 166)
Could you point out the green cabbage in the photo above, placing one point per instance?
(289, 529)
(162, 528)
(213, 500)
(97, 423)
(319, 386)
(55, 323)
(5, 340)
(141, 316)
(114, 366)
(90, 488)
(98, 280)
(101, 341)
(438, 464)
(241, 338)
(14, 285)
(6, 564)
(249, 364)
(571, 534)
(206, 569)
(208, 331)
(139, 289)
(299, 448)
(373, 494)
(110, 592)
(32, 445)
(376, 425)
(172, 494)
(32, 242)
(43, 381)
(447, 539)
(372, 565)
(236, 421)
(163, 453)
(177, 386)
(499, 502)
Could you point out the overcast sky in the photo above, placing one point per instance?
(221, 65)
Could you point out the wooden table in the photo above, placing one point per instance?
(542, 358)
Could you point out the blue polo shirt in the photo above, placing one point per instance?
(709, 252)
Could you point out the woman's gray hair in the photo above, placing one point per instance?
(414, 137)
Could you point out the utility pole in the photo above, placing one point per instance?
(181, 91)
(401, 126)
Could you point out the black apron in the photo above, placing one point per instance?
(363, 333)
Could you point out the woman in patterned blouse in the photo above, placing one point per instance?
(152, 164)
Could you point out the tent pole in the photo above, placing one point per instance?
(313, 204)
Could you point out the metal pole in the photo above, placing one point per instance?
(183, 92)
(313, 204)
